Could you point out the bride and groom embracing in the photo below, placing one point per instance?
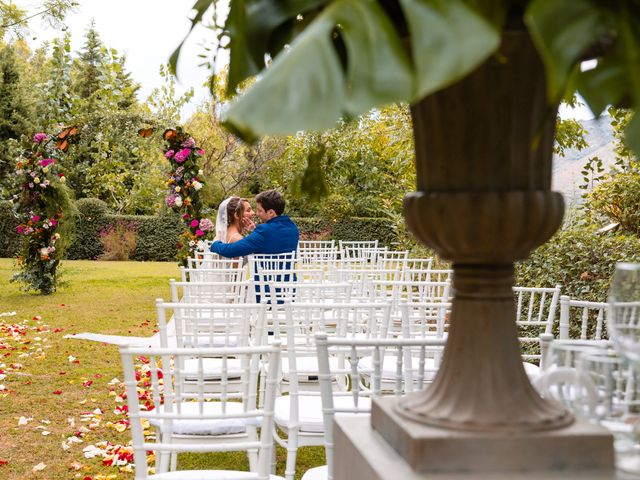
(276, 234)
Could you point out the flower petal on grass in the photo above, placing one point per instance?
(39, 467)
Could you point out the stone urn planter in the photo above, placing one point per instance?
(484, 200)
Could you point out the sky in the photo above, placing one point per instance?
(148, 31)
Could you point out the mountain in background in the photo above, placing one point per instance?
(566, 170)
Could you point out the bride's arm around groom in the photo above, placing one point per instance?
(276, 234)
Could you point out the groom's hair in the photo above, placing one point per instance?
(271, 200)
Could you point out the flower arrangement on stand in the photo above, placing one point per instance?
(46, 214)
(184, 184)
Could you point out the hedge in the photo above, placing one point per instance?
(158, 235)
(9, 239)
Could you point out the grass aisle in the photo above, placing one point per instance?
(57, 396)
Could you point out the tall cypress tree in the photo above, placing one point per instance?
(16, 111)
(88, 65)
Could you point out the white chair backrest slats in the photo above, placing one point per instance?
(316, 244)
(392, 260)
(266, 269)
(233, 272)
(209, 292)
(176, 408)
(590, 316)
(535, 315)
(395, 362)
(425, 319)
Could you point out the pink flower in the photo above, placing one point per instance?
(195, 223)
(35, 218)
(182, 155)
(169, 154)
(53, 222)
(200, 151)
(206, 225)
(199, 233)
(171, 201)
(46, 162)
(19, 229)
(39, 137)
(185, 216)
(189, 143)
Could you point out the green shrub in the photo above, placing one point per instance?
(380, 229)
(580, 260)
(617, 198)
(92, 219)
(9, 239)
(158, 238)
(119, 241)
(312, 228)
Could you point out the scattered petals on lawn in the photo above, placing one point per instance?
(39, 467)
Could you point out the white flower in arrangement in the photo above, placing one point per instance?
(200, 172)
(177, 189)
(56, 236)
(36, 180)
(45, 169)
(44, 251)
(45, 225)
(178, 201)
(197, 185)
(192, 243)
(63, 179)
(51, 249)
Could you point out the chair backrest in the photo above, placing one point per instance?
(209, 260)
(342, 357)
(417, 264)
(356, 252)
(535, 315)
(566, 353)
(428, 275)
(266, 269)
(388, 260)
(588, 315)
(324, 292)
(209, 292)
(173, 403)
(233, 271)
(425, 319)
(210, 324)
(316, 244)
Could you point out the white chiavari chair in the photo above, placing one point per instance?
(588, 315)
(535, 315)
(209, 292)
(233, 271)
(230, 417)
(266, 269)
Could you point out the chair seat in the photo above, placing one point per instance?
(212, 368)
(317, 473)
(310, 411)
(308, 369)
(209, 475)
(208, 427)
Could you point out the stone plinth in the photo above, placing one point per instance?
(362, 454)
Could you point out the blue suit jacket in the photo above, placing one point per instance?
(278, 235)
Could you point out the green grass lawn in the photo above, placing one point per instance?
(63, 388)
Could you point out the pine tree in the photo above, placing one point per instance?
(88, 64)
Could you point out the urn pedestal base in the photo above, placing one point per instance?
(389, 446)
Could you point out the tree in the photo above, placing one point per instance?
(87, 65)
(16, 112)
(56, 99)
(14, 20)
(164, 102)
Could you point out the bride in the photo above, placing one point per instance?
(235, 217)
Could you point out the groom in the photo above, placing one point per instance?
(276, 234)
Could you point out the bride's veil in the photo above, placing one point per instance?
(221, 221)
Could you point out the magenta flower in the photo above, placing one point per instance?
(206, 225)
(35, 218)
(185, 216)
(189, 143)
(195, 223)
(53, 222)
(46, 162)
(39, 137)
(169, 154)
(20, 229)
(182, 155)
(199, 233)
(171, 201)
(200, 151)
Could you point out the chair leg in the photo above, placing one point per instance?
(292, 452)
(174, 461)
(253, 460)
(273, 457)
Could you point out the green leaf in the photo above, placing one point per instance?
(265, 17)
(562, 32)
(605, 84)
(302, 90)
(632, 134)
(201, 6)
(241, 63)
(378, 68)
(448, 40)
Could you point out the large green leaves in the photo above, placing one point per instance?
(286, 98)
(200, 8)
(448, 40)
(563, 31)
(306, 88)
